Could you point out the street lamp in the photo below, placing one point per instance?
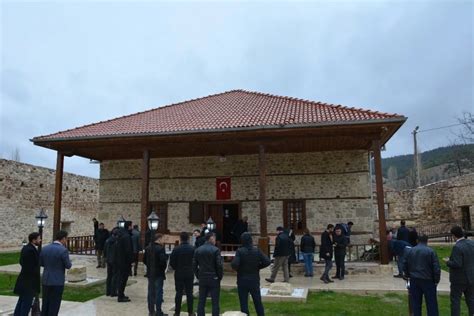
(210, 225)
(40, 221)
(153, 221)
(121, 222)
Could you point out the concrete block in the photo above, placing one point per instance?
(77, 274)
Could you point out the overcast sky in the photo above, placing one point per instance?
(66, 64)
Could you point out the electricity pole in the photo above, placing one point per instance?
(416, 161)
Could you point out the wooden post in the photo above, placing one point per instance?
(380, 202)
(58, 189)
(145, 194)
(263, 241)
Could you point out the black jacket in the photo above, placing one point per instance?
(28, 281)
(207, 262)
(326, 246)
(239, 228)
(402, 233)
(307, 244)
(282, 245)
(124, 255)
(249, 260)
(156, 267)
(110, 249)
(100, 237)
(421, 262)
(181, 260)
(340, 243)
(413, 237)
(199, 241)
(461, 262)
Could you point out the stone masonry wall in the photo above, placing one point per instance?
(335, 186)
(432, 204)
(24, 189)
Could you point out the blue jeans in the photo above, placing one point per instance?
(308, 263)
(420, 288)
(23, 306)
(400, 260)
(246, 286)
(155, 295)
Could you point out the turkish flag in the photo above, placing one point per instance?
(223, 188)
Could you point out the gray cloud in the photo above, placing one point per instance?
(69, 64)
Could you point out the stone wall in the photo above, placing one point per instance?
(335, 185)
(24, 189)
(432, 204)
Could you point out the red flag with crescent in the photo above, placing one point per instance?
(223, 188)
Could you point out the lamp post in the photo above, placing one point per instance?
(121, 222)
(210, 225)
(40, 221)
(153, 224)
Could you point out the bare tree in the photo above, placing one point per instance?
(466, 134)
(16, 154)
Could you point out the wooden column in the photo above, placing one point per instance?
(145, 194)
(58, 190)
(263, 241)
(380, 202)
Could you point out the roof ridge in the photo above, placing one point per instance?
(137, 113)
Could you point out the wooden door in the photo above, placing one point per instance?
(216, 212)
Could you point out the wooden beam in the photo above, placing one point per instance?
(380, 202)
(145, 194)
(263, 241)
(58, 189)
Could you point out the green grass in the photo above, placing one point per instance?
(443, 252)
(7, 283)
(328, 303)
(7, 258)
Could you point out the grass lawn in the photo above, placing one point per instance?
(7, 258)
(333, 304)
(7, 283)
(443, 252)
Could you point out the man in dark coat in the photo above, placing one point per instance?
(181, 261)
(136, 247)
(110, 257)
(292, 256)
(340, 245)
(208, 268)
(248, 262)
(28, 282)
(280, 256)
(55, 260)
(461, 272)
(325, 252)
(421, 266)
(240, 227)
(155, 259)
(399, 248)
(413, 236)
(307, 246)
(403, 232)
(123, 260)
(100, 237)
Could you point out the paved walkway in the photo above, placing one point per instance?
(356, 284)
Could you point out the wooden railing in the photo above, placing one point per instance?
(438, 230)
(84, 245)
(81, 245)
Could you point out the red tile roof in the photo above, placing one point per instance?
(228, 110)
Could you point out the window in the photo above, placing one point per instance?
(294, 215)
(196, 212)
(161, 209)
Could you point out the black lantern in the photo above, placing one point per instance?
(41, 218)
(121, 222)
(153, 221)
(210, 224)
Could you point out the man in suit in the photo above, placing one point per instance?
(181, 261)
(461, 272)
(421, 266)
(280, 256)
(110, 257)
(100, 237)
(208, 268)
(28, 282)
(55, 260)
(123, 260)
(326, 251)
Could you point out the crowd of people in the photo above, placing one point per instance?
(197, 261)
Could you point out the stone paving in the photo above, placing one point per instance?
(356, 284)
